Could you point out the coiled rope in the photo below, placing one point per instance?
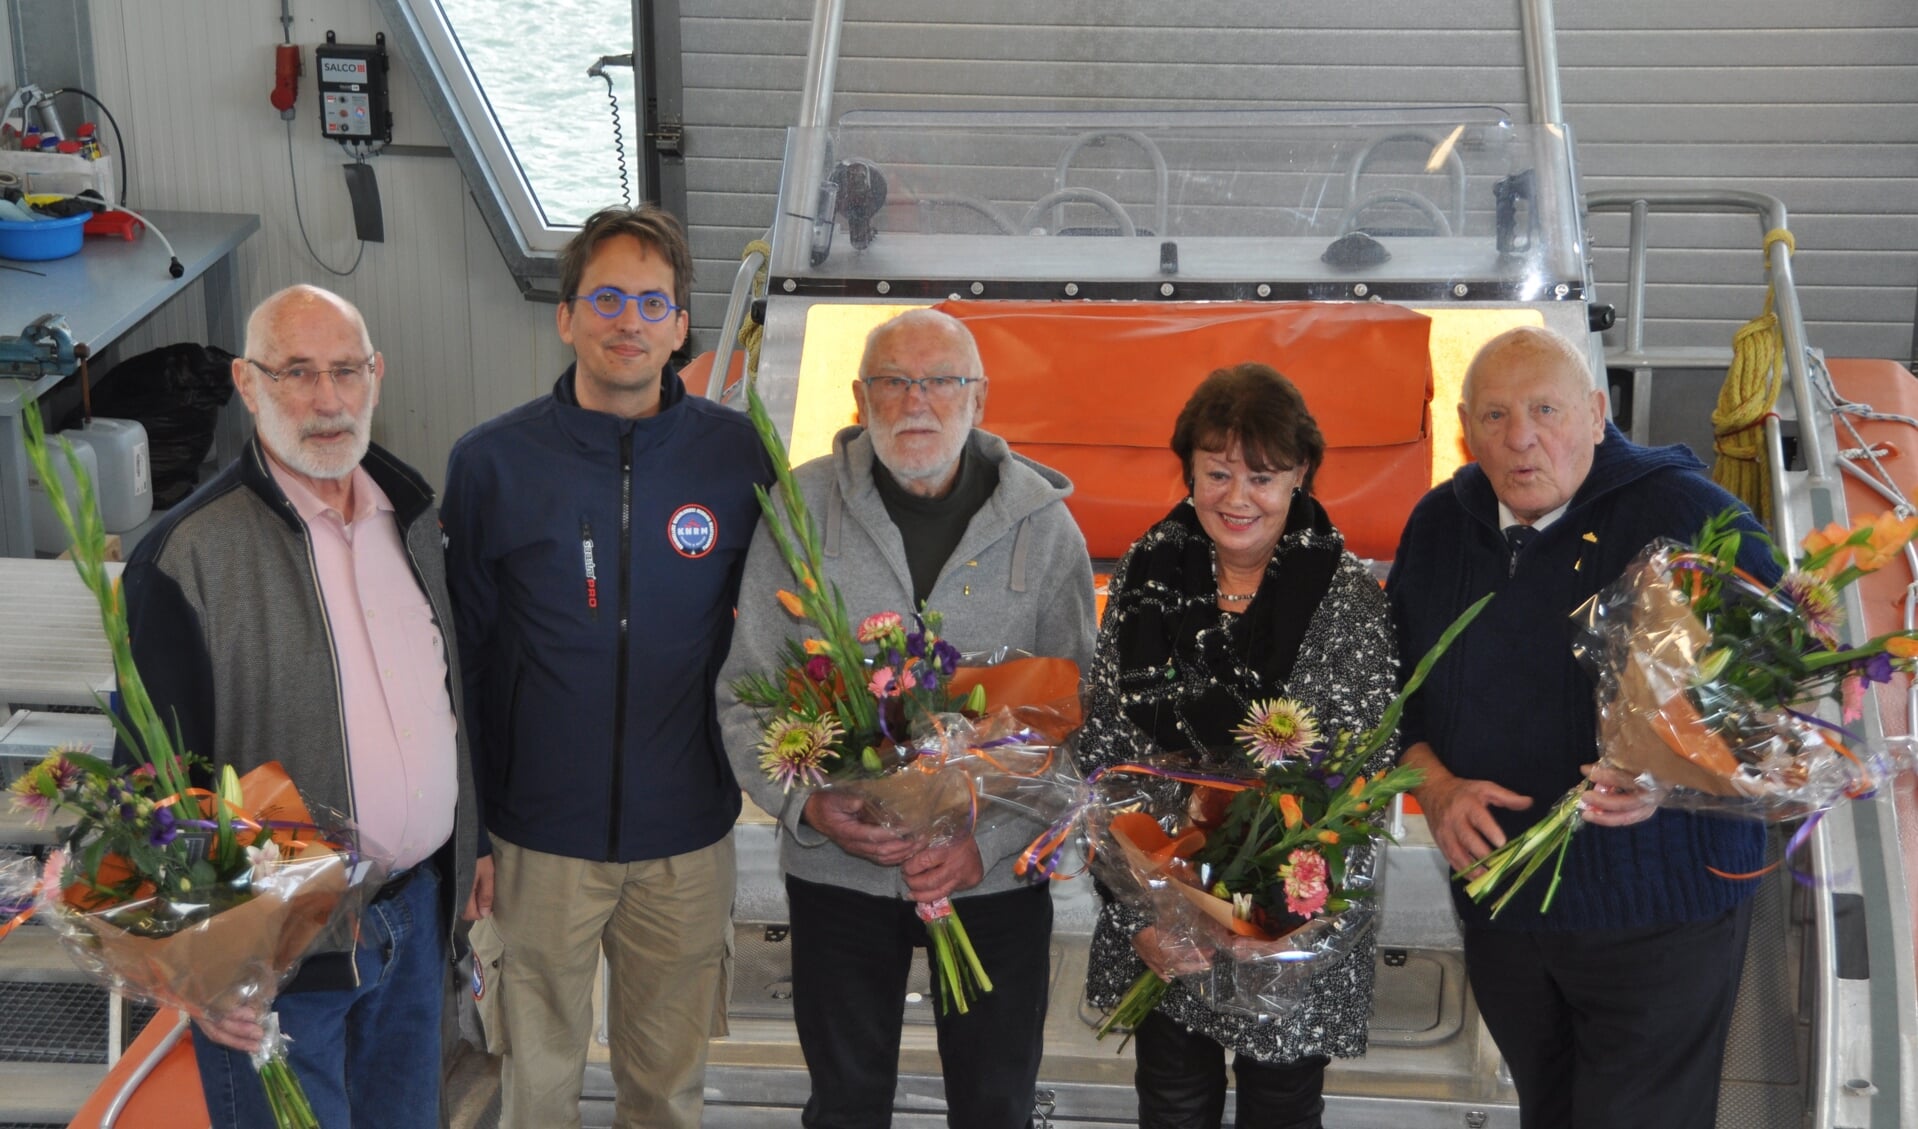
(751, 333)
(1749, 394)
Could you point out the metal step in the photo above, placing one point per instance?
(38, 1093)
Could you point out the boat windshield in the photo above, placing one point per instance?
(1407, 205)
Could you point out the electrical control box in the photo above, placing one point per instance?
(352, 81)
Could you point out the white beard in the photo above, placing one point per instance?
(285, 438)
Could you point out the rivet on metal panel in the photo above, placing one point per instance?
(978, 288)
(1475, 1119)
(789, 286)
(1460, 290)
(1165, 289)
(1561, 290)
(1264, 290)
(1360, 290)
(1072, 290)
(883, 286)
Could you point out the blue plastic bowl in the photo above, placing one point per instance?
(42, 239)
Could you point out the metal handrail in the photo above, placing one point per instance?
(1161, 201)
(1538, 30)
(1454, 164)
(147, 1065)
(1772, 216)
(736, 305)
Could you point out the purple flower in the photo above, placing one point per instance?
(947, 656)
(1334, 782)
(916, 644)
(1877, 668)
(165, 827)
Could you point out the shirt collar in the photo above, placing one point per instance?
(368, 498)
(1507, 519)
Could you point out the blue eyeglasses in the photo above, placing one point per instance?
(610, 301)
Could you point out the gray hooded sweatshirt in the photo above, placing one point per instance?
(1019, 578)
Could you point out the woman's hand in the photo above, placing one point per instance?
(1170, 958)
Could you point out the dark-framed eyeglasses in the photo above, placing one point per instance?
(889, 388)
(346, 378)
(610, 301)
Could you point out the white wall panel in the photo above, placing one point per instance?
(189, 81)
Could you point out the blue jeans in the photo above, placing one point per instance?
(367, 1056)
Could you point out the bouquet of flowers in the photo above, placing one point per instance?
(887, 712)
(198, 899)
(1707, 680)
(1265, 871)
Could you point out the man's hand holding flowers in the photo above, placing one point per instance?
(944, 869)
(1616, 798)
(839, 816)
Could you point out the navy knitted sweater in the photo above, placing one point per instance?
(1510, 704)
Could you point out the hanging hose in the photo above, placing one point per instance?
(751, 333)
(1748, 396)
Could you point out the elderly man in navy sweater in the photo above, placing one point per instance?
(1612, 1008)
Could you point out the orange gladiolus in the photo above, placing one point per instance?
(1888, 537)
(1902, 646)
(791, 603)
(815, 646)
(1328, 836)
(1290, 810)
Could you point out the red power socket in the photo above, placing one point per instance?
(286, 77)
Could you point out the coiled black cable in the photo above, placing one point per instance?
(619, 142)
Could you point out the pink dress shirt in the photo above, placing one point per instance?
(400, 737)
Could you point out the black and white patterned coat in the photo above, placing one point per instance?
(1346, 671)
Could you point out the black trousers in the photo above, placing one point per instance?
(852, 953)
(1181, 1082)
(1612, 1029)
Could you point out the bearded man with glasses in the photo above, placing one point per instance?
(919, 507)
(595, 538)
(295, 609)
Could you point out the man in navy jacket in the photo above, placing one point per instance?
(1616, 1003)
(595, 539)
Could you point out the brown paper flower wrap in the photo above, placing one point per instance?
(1709, 684)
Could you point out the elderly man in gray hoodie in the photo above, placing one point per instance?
(917, 508)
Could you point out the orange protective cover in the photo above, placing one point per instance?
(1093, 389)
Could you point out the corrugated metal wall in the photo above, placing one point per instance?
(1817, 104)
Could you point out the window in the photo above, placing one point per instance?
(533, 130)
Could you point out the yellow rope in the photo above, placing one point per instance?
(1748, 396)
(751, 333)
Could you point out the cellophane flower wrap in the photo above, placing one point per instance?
(1709, 683)
(1265, 873)
(886, 710)
(200, 899)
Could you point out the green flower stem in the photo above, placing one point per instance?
(964, 941)
(285, 1096)
(1548, 839)
(1137, 1003)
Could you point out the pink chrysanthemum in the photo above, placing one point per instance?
(1278, 729)
(1304, 874)
(794, 752)
(879, 625)
(1816, 603)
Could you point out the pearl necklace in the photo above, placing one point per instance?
(1228, 597)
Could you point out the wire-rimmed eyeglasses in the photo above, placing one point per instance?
(347, 378)
(935, 387)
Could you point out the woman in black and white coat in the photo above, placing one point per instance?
(1243, 592)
